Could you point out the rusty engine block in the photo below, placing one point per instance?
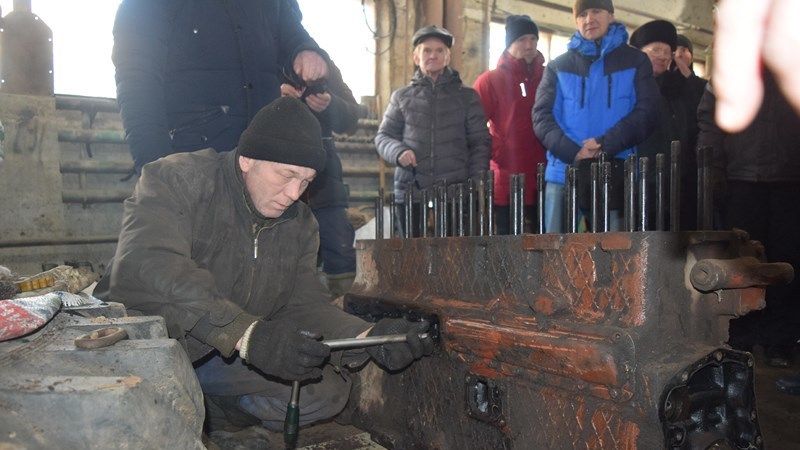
(566, 341)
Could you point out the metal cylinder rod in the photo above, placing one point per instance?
(644, 193)
(513, 203)
(572, 199)
(392, 206)
(521, 208)
(629, 207)
(661, 161)
(409, 200)
(436, 209)
(424, 196)
(605, 195)
(379, 215)
(481, 199)
(675, 186)
(540, 197)
(470, 207)
(348, 343)
(453, 226)
(490, 203)
(594, 168)
(459, 201)
(444, 210)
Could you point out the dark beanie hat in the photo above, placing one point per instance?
(683, 41)
(655, 31)
(286, 132)
(582, 5)
(518, 26)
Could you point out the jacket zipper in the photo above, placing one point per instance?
(609, 90)
(583, 89)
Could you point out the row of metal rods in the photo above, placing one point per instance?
(466, 209)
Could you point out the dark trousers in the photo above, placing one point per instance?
(770, 213)
(336, 237)
(502, 219)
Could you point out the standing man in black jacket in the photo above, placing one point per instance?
(191, 74)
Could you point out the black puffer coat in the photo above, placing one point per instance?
(192, 73)
(193, 250)
(443, 123)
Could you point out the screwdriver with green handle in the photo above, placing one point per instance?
(291, 424)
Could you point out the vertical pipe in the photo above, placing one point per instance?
(392, 206)
(521, 208)
(540, 195)
(453, 211)
(572, 195)
(471, 207)
(379, 215)
(567, 200)
(630, 193)
(661, 161)
(605, 194)
(424, 197)
(675, 186)
(594, 193)
(459, 200)
(444, 210)
(481, 205)
(437, 214)
(644, 166)
(409, 198)
(513, 204)
(490, 203)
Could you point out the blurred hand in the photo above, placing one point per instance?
(400, 355)
(749, 34)
(684, 68)
(287, 90)
(590, 149)
(318, 102)
(407, 158)
(310, 66)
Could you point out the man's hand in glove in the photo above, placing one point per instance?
(281, 349)
(397, 356)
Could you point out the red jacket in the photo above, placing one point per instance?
(515, 149)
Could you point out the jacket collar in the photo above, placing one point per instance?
(519, 66)
(448, 76)
(232, 174)
(616, 36)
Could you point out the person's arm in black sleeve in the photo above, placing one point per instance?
(141, 31)
(635, 127)
(478, 139)
(342, 113)
(389, 139)
(292, 36)
(712, 136)
(545, 126)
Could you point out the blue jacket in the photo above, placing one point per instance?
(602, 90)
(192, 73)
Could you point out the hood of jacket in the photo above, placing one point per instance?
(519, 67)
(617, 35)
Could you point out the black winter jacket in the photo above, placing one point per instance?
(766, 151)
(193, 250)
(192, 73)
(443, 123)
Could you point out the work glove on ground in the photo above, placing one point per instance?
(397, 356)
(281, 349)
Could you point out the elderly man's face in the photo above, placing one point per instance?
(660, 55)
(432, 56)
(593, 23)
(272, 186)
(524, 47)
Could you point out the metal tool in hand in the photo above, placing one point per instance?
(291, 424)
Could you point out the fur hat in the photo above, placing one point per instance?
(285, 131)
(518, 26)
(432, 31)
(655, 31)
(582, 5)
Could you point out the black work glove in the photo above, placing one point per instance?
(399, 355)
(281, 349)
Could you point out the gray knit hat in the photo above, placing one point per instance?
(284, 131)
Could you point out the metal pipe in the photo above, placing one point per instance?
(85, 240)
(605, 194)
(471, 206)
(513, 203)
(675, 186)
(453, 210)
(630, 193)
(379, 215)
(540, 186)
(595, 192)
(661, 161)
(644, 166)
(368, 341)
(445, 211)
(482, 205)
(392, 206)
(572, 200)
(521, 208)
(459, 200)
(490, 203)
(409, 200)
(425, 197)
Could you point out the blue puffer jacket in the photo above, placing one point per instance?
(602, 90)
(192, 73)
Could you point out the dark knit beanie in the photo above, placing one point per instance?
(683, 41)
(518, 26)
(655, 31)
(582, 5)
(284, 131)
